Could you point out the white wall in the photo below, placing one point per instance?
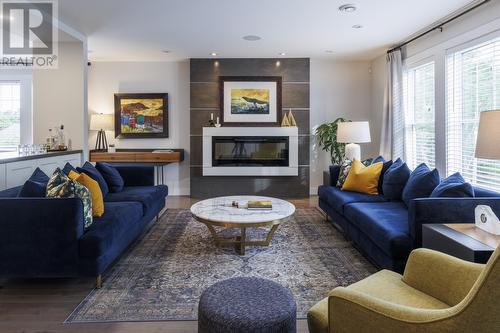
(107, 78)
(338, 89)
(58, 96)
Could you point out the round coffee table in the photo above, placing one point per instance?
(219, 212)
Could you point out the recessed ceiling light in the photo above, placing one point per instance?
(348, 8)
(282, 54)
(329, 51)
(213, 54)
(252, 38)
(166, 51)
(357, 26)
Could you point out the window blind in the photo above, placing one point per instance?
(10, 115)
(473, 86)
(420, 116)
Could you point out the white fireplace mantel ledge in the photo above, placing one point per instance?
(250, 131)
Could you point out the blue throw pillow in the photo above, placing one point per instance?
(39, 176)
(421, 183)
(334, 174)
(387, 165)
(453, 187)
(395, 180)
(111, 175)
(93, 173)
(68, 168)
(32, 189)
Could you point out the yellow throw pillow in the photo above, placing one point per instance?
(363, 179)
(95, 191)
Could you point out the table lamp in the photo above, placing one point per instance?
(488, 135)
(488, 147)
(352, 133)
(101, 122)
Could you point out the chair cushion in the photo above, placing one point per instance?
(90, 170)
(363, 179)
(107, 230)
(385, 285)
(395, 180)
(387, 165)
(453, 187)
(389, 286)
(147, 195)
(384, 223)
(421, 183)
(337, 198)
(111, 175)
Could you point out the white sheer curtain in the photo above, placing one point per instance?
(392, 140)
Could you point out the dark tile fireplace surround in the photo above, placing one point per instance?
(204, 99)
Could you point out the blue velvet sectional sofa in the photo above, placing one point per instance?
(45, 237)
(386, 231)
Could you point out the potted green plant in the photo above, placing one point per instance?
(327, 140)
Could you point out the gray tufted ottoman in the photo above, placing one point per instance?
(246, 304)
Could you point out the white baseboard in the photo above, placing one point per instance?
(313, 190)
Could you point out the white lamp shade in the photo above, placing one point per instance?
(99, 121)
(488, 135)
(354, 132)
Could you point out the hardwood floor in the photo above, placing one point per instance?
(41, 305)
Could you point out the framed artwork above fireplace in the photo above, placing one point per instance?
(250, 100)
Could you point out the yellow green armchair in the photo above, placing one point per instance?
(436, 293)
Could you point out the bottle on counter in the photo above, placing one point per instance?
(62, 138)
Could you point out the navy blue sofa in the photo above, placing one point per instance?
(386, 231)
(45, 237)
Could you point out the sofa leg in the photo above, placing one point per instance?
(157, 217)
(98, 282)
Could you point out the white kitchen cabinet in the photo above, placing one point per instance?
(3, 178)
(16, 173)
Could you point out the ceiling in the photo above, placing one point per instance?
(134, 30)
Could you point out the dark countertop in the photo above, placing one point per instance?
(9, 157)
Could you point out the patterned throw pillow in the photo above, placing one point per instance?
(344, 171)
(345, 167)
(60, 186)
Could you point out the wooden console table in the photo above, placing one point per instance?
(141, 156)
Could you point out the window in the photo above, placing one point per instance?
(15, 111)
(420, 115)
(473, 83)
(10, 115)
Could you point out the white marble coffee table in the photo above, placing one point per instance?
(219, 212)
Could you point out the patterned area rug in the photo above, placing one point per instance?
(163, 275)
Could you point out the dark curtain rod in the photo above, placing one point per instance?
(439, 26)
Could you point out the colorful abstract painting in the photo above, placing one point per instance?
(141, 115)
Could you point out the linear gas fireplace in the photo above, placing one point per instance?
(250, 151)
(256, 151)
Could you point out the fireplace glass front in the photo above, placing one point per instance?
(250, 151)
